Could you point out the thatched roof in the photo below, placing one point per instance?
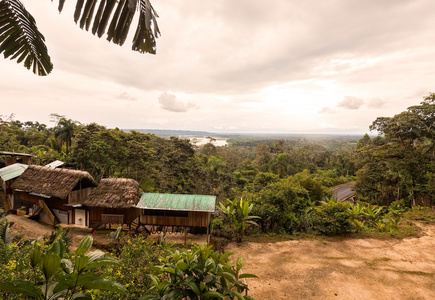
(115, 193)
(52, 182)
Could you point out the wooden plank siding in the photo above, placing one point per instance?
(78, 196)
(129, 214)
(194, 219)
(112, 219)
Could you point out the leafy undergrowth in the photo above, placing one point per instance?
(409, 226)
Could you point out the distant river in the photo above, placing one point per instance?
(198, 141)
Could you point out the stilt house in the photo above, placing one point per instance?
(188, 211)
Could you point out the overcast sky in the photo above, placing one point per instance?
(283, 66)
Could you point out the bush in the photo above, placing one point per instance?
(332, 218)
(135, 254)
(199, 273)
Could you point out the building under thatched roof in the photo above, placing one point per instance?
(52, 182)
(113, 201)
(115, 193)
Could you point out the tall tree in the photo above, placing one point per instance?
(406, 154)
(64, 132)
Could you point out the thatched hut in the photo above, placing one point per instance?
(48, 192)
(113, 201)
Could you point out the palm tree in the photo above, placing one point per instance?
(20, 38)
(64, 132)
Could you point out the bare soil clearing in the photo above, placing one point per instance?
(316, 269)
(30, 229)
(341, 269)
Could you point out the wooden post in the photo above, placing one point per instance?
(185, 235)
(208, 234)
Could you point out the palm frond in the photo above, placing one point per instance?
(115, 17)
(20, 38)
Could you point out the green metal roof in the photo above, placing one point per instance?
(12, 171)
(177, 202)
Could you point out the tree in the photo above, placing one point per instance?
(64, 132)
(20, 38)
(404, 155)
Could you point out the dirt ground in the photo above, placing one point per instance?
(30, 229)
(341, 269)
(319, 269)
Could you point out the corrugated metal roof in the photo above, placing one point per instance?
(55, 164)
(15, 153)
(12, 171)
(177, 202)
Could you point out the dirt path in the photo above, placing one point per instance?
(342, 269)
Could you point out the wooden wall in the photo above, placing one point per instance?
(130, 214)
(78, 196)
(194, 219)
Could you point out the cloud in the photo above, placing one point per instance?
(169, 102)
(326, 110)
(376, 103)
(351, 103)
(126, 96)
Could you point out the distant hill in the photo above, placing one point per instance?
(166, 133)
(169, 133)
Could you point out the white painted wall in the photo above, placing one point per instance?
(80, 217)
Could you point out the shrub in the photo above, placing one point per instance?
(199, 273)
(332, 218)
(135, 254)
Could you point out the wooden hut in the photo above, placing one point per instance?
(47, 192)
(8, 175)
(113, 201)
(11, 158)
(188, 211)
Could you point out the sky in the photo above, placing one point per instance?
(245, 66)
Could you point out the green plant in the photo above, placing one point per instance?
(64, 236)
(199, 273)
(5, 233)
(238, 213)
(373, 214)
(332, 218)
(115, 234)
(63, 277)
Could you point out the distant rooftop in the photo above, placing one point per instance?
(15, 154)
(55, 164)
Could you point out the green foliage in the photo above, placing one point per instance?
(398, 165)
(279, 203)
(199, 273)
(332, 218)
(421, 214)
(238, 214)
(309, 182)
(63, 276)
(136, 255)
(5, 234)
(115, 235)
